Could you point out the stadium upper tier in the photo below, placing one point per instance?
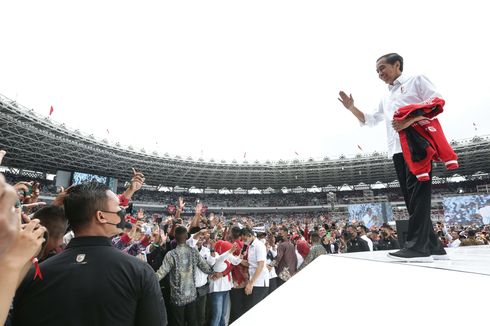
(36, 142)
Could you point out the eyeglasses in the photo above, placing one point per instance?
(121, 213)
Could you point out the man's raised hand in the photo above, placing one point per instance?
(346, 100)
(137, 180)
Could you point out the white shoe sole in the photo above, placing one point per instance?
(427, 259)
(440, 257)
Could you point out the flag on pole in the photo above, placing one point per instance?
(245, 155)
(296, 153)
(107, 131)
(51, 110)
(359, 146)
(474, 125)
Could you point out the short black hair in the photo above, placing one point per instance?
(53, 219)
(363, 227)
(180, 230)
(181, 234)
(247, 232)
(235, 232)
(391, 58)
(314, 236)
(82, 201)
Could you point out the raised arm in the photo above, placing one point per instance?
(137, 182)
(348, 102)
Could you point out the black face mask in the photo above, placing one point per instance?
(122, 223)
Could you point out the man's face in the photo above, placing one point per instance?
(282, 233)
(388, 72)
(352, 231)
(247, 239)
(112, 206)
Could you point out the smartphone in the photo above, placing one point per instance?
(29, 191)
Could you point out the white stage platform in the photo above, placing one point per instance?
(371, 289)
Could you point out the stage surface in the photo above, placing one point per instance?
(371, 289)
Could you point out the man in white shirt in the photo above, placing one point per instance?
(258, 285)
(422, 244)
(201, 278)
(454, 240)
(367, 219)
(362, 230)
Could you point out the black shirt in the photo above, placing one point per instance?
(357, 244)
(91, 283)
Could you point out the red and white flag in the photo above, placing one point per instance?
(359, 146)
(51, 110)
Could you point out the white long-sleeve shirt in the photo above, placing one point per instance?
(224, 283)
(200, 277)
(404, 91)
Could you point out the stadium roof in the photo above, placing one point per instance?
(35, 142)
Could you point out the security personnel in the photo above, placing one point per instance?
(91, 282)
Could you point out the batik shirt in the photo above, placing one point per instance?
(181, 263)
(315, 251)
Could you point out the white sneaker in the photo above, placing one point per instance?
(441, 257)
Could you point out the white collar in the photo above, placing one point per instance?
(400, 80)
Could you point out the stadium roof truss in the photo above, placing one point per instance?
(37, 143)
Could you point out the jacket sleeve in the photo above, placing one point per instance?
(151, 306)
(280, 253)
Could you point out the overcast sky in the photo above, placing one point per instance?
(221, 78)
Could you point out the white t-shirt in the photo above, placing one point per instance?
(300, 259)
(370, 243)
(272, 272)
(257, 252)
(224, 283)
(456, 243)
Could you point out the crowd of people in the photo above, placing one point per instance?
(87, 258)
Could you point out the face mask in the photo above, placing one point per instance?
(121, 213)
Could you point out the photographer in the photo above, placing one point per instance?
(387, 239)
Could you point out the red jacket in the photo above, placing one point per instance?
(424, 141)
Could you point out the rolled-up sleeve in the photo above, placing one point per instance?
(372, 119)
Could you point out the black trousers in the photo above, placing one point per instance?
(417, 194)
(185, 315)
(237, 302)
(201, 309)
(273, 284)
(258, 294)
